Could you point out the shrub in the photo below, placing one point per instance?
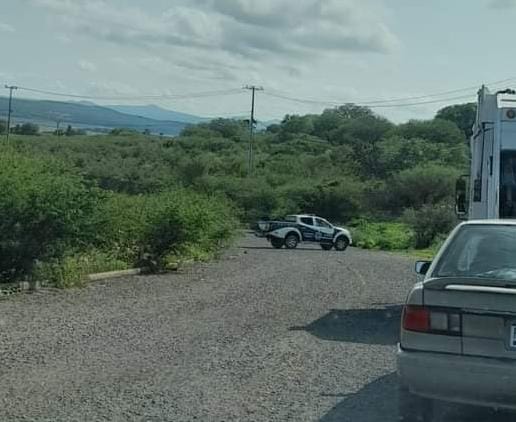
(152, 227)
(25, 129)
(183, 221)
(429, 222)
(45, 208)
(383, 235)
(72, 269)
(421, 185)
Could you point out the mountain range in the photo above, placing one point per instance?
(158, 113)
(84, 115)
(91, 116)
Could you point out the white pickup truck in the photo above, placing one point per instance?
(304, 228)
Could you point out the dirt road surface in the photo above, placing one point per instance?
(261, 335)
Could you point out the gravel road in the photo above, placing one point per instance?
(261, 335)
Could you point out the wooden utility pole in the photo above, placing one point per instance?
(11, 88)
(252, 122)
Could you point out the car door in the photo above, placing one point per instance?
(324, 230)
(307, 228)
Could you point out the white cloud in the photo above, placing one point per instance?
(5, 27)
(87, 66)
(502, 4)
(244, 28)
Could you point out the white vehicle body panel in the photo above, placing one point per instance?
(492, 143)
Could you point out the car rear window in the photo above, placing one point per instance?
(487, 251)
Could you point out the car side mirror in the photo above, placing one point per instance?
(422, 267)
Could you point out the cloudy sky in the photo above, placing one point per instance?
(307, 54)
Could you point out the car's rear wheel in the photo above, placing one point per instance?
(277, 243)
(326, 246)
(413, 408)
(341, 243)
(291, 241)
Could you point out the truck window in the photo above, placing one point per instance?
(307, 220)
(321, 223)
(508, 184)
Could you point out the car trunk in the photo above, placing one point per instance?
(488, 313)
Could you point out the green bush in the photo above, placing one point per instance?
(72, 270)
(45, 210)
(430, 222)
(152, 227)
(384, 235)
(419, 186)
(183, 221)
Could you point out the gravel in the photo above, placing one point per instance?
(261, 335)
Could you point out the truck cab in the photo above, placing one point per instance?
(492, 178)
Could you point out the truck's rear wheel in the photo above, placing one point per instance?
(326, 246)
(277, 242)
(291, 241)
(341, 243)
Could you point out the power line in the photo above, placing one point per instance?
(438, 94)
(335, 104)
(135, 97)
(381, 103)
(461, 97)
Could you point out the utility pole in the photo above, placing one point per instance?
(253, 89)
(11, 88)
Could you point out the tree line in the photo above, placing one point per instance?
(126, 197)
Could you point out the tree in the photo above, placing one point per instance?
(26, 129)
(293, 124)
(420, 185)
(436, 130)
(69, 131)
(228, 128)
(3, 126)
(146, 131)
(370, 129)
(332, 118)
(397, 154)
(463, 115)
(353, 111)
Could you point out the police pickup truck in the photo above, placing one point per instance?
(304, 228)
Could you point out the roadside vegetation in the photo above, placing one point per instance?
(77, 204)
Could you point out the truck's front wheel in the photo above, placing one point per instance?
(277, 243)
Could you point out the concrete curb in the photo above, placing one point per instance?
(23, 286)
(114, 274)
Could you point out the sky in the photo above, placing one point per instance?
(195, 56)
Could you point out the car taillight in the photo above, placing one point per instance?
(416, 318)
(428, 320)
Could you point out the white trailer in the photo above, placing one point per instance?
(492, 178)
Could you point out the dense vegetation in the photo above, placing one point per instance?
(126, 197)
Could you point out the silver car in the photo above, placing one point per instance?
(458, 333)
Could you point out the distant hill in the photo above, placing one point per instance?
(158, 113)
(81, 115)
